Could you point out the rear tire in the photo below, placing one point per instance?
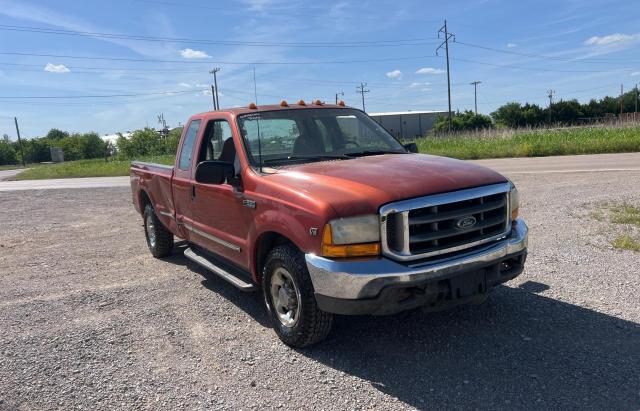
(290, 299)
(159, 239)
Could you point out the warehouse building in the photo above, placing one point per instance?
(408, 125)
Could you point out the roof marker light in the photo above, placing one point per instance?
(341, 103)
(302, 103)
(252, 106)
(317, 102)
(284, 103)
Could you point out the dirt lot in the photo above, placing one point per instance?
(88, 319)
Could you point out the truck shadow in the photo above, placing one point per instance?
(518, 350)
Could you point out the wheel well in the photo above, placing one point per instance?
(266, 243)
(143, 200)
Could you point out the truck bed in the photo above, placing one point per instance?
(155, 180)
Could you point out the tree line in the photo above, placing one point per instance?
(517, 115)
(81, 146)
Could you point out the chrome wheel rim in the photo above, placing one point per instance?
(285, 297)
(151, 231)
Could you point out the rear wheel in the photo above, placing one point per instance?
(290, 299)
(159, 239)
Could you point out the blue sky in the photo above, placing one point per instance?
(517, 49)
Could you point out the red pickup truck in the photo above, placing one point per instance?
(325, 212)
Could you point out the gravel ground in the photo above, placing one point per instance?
(88, 319)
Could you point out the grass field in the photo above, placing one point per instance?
(535, 143)
(86, 168)
(10, 167)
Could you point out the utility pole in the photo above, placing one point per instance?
(475, 94)
(215, 82)
(445, 43)
(19, 141)
(213, 96)
(339, 94)
(621, 99)
(636, 97)
(361, 89)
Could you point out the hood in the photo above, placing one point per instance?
(361, 185)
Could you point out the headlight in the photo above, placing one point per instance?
(514, 201)
(351, 237)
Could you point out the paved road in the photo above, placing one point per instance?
(5, 174)
(508, 166)
(565, 164)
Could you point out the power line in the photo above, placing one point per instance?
(101, 95)
(117, 36)
(207, 61)
(515, 67)
(542, 56)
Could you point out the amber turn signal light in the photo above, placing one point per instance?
(514, 213)
(346, 250)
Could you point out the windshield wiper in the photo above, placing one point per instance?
(372, 153)
(319, 157)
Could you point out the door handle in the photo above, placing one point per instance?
(193, 193)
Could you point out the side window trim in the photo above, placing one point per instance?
(189, 140)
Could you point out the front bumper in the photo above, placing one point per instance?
(383, 286)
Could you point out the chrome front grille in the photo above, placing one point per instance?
(445, 223)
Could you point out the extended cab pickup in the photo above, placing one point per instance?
(325, 212)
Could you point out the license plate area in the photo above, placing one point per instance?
(468, 284)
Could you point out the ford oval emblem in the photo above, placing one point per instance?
(466, 222)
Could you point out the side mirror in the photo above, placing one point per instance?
(411, 147)
(214, 172)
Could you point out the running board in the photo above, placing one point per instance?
(205, 262)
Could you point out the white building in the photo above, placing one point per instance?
(408, 124)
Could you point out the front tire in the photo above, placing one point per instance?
(159, 239)
(290, 299)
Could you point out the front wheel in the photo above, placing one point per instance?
(290, 299)
(159, 239)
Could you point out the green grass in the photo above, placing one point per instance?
(10, 167)
(535, 143)
(87, 168)
(624, 214)
(627, 242)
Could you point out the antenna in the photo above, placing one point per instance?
(255, 94)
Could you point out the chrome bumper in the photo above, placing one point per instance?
(366, 278)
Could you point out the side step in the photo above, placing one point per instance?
(199, 258)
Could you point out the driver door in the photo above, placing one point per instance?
(220, 220)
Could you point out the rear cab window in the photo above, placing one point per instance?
(187, 146)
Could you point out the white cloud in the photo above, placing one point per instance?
(193, 54)
(201, 85)
(52, 68)
(258, 5)
(611, 39)
(394, 74)
(186, 85)
(511, 45)
(416, 84)
(429, 70)
(636, 73)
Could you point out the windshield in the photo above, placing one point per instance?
(300, 136)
